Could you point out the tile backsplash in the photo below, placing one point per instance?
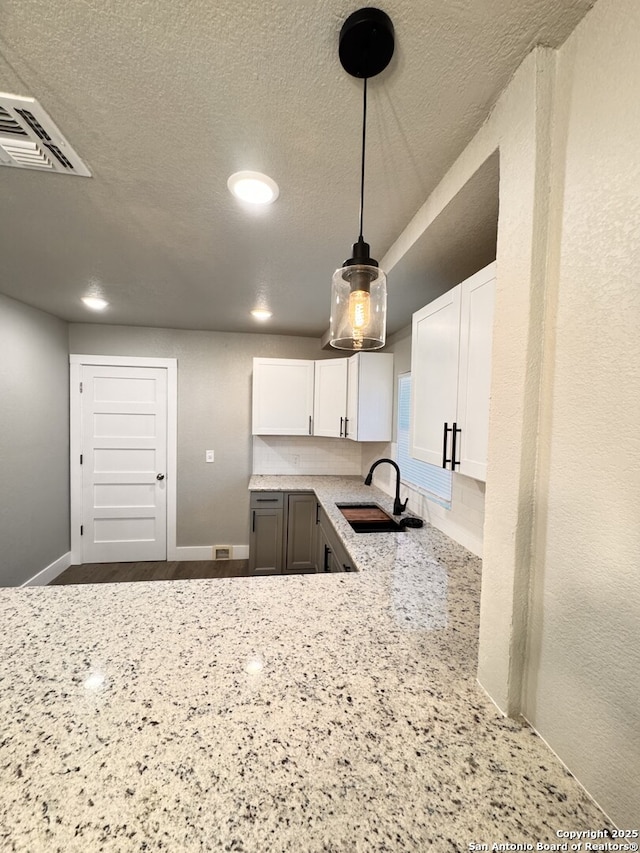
(290, 454)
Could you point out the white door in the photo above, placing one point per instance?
(124, 458)
(330, 398)
(434, 369)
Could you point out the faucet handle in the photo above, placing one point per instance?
(399, 507)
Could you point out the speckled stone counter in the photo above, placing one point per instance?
(328, 712)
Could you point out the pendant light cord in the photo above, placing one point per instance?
(364, 139)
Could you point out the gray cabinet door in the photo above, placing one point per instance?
(301, 533)
(331, 556)
(265, 544)
(323, 550)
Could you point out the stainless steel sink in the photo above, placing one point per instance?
(369, 518)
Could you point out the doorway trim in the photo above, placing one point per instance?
(76, 363)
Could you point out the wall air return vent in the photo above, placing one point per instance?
(29, 139)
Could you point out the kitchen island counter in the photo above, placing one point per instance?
(327, 712)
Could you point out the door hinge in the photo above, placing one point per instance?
(82, 530)
(81, 458)
(81, 387)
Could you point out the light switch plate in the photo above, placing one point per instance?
(209, 456)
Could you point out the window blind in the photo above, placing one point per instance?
(433, 482)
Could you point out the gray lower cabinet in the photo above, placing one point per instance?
(265, 541)
(283, 532)
(301, 533)
(330, 554)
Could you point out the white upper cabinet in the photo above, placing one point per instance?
(370, 397)
(451, 370)
(336, 397)
(474, 381)
(282, 396)
(330, 397)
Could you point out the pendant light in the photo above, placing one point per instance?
(359, 287)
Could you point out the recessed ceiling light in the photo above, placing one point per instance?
(261, 314)
(95, 303)
(253, 187)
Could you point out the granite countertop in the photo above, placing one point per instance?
(327, 712)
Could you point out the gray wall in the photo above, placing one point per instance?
(34, 441)
(214, 412)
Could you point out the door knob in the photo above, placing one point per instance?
(159, 476)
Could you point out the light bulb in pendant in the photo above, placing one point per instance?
(359, 310)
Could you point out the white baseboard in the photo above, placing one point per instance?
(192, 552)
(240, 552)
(50, 572)
(207, 552)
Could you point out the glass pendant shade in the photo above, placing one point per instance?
(358, 308)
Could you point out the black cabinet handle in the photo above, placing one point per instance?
(309, 424)
(317, 513)
(266, 500)
(327, 552)
(341, 420)
(447, 430)
(253, 522)
(454, 461)
(346, 431)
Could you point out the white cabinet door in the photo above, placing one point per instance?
(370, 397)
(330, 397)
(434, 369)
(474, 381)
(353, 397)
(282, 396)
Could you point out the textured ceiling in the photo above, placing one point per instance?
(163, 101)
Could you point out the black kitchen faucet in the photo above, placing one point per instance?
(398, 506)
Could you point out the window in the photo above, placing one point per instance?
(429, 480)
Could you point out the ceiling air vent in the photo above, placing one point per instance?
(30, 140)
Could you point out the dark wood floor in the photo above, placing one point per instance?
(158, 571)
